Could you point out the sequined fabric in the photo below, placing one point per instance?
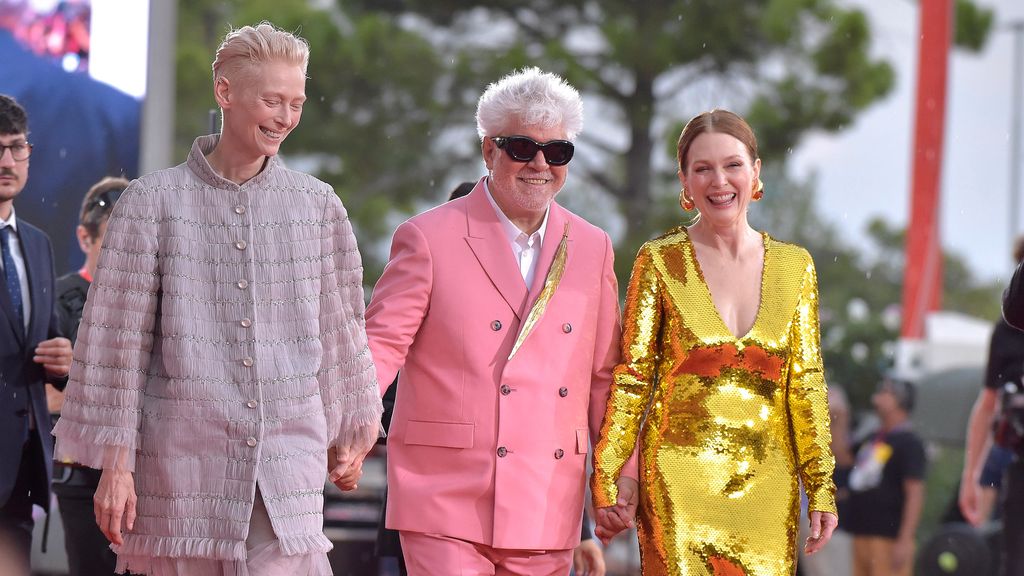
(734, 424)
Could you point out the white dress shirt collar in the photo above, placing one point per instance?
(526, 249)
(511, 230)
(10, 221)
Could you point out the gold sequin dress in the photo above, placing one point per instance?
(734, 423)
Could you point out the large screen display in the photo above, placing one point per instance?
(79, 69)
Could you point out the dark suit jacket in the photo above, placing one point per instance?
(21, 379)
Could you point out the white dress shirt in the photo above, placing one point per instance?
(19, 265)
(526, 249)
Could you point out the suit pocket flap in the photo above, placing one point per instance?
(444, 434)
(582, 441)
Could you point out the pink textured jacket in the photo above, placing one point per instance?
(482, 448)
(222, 346)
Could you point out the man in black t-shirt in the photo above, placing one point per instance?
(887, 487)
(1005, 364)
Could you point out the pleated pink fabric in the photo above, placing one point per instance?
(222, 344)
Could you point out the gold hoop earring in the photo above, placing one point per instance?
(758, 190)
(685, 203)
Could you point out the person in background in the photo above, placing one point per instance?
(32, 348)
(887, 487)
(88, 550)
(221, 363)
(1005, 366)
(500, 309)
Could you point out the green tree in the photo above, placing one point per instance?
(393, 83)
(790, 65)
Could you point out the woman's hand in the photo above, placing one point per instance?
(114, 504)
(822, 526)
(343, 470)
(614, 519)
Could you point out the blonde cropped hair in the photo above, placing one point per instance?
(535, 97)
(257, 44)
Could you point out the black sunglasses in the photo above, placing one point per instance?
(523, 149)
(105, 200)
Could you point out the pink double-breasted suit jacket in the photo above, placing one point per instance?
(484, 448)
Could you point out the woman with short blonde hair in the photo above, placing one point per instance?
(222, 355)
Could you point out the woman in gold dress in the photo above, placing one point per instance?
(720, 340)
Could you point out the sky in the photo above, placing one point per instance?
(864, 171)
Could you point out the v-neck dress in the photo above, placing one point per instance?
(734, 424)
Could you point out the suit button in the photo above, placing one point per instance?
(559, 453)
(563, 391)
(496, 325)
(505, 390)
(251, 442)
(566, 327)
(502, 451)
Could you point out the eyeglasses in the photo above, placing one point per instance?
(20, 151)
(523, 149)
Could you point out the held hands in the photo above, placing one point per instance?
(344, 468)
(614, 519)
(822, 526)
(588, 559)
(114, 504)
(55, 356)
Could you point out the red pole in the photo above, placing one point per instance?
(922, 278)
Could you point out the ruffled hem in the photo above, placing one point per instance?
(163, 546)
(357, 429)
(302, 545)
(95, 447)
(263, 564)
(213, 549)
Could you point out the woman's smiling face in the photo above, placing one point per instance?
(264, 106)
(719, 177)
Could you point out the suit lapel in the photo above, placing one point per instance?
(552, 237)
(34, 263)
(487, 240)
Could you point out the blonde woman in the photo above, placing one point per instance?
(222, 352)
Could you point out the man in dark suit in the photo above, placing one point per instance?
(32, 351)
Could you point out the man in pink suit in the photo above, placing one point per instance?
(501, 311)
